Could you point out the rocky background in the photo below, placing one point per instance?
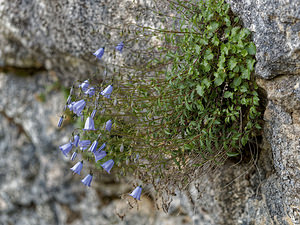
(45, 42)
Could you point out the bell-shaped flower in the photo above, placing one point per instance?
(84, 86)
(102, 147)
(107, 91)
(108, 125)
(73, 157)
(76, 140)
(90, 92)
(93, 147)
(89, 124)
(78, 107)
(70, 106)
(61, 119)
(84, 144)
(77, 167)
(93, 113)
(66, 148)
(99, 53)
(99, 155)
(120, 46)
(137, 193)
(69, 99)
(87, 180)
(108, 165)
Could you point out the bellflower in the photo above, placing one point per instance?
(73, 157)
(99, 53)
(89, 124)
(120, 46)
(99, 155)
(102, 147)
(90, 92)
(84, 86)
(77, 167)
(84, 144)
(107, 91)
(69, 100)
(93, 146)
(93, 113)
(137, 193)
(108, 125)
(78, 107)
(61, 119)
(108, 165)
(66, 148)
(87, 180)
(76, 140)
(70, 106)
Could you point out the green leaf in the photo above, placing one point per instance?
(198, 49)
(218, 81)
(237, 81)
(228, 94)
(213, 26)
(200, 90)
(250, 64)
(206, 82)
(224, 49)
(232, 63)
(251, 49)
(206, 66)
(232, 154)
(215, 40)
(208, 55)
(244, 52)
(245, 73)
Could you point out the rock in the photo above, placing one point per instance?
(276, 33)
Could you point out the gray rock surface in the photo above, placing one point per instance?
(275, 25)
(50, 41)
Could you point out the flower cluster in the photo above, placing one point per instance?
(79, 108)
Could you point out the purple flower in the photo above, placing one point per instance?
(73, 157)
(107, 91)
(102, 147)
(77, 167)
(76, 140)
(137, 193)
(99, 155)
(69, 100)
(87, 180)
(89, 124)
(61, 119)
(78, 107)
(108, 165)
(108, 125)
(120, 46)
(90, 92)
(84, 144)
(70, 106)
(99, 53)
(66, 148)
(84, 86)
(93, 113)
(93, 146)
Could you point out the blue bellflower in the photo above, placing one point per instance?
(89, 124)
(99, 53)
(90, 92)
(77, 167)
(70, 106)
(120, 46)
(137, 193)
(107, 91)
(84, 144)
(66, 148)
(78, 107)
(108, 165)
(93, 113)
(84, 86)
(108, 125)
(76, 140)
(99, 155)
(87, 180)
(93, 147)
(61, 119)
(73, 157)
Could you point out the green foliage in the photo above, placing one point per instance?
(192, 99)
